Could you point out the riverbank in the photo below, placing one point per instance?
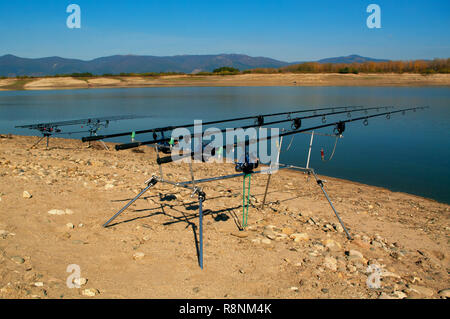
(53, 203)
(282, 79)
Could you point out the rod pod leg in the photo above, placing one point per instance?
(35, 144)
(320, 183)
(201, 198)
(245, 199)
(150, 183)
(265, 192)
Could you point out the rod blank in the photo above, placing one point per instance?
(170, 128)
(294, 120)
(169, 159)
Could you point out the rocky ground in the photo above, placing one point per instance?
(53, 203)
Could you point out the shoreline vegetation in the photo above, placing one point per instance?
(390, 73)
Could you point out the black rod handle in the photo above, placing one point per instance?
(127, 146)
(93, 138)
(164, 160)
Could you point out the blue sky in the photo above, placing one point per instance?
(285, 30)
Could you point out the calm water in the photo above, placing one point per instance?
(406, 153)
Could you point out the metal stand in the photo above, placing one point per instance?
(270, 172)
(265, 192)
(44, 136)
(320, 183)
(201, 198)
(191, 184)
(309, 151)
(151, 182)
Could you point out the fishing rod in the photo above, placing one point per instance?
(92, 125)
(87, 121)
(260, 119)
(339, 129)
(296, 123)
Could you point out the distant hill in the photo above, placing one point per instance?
(350, 59)
(11, 65)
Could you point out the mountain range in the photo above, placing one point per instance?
(11, 65)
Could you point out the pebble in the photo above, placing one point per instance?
(39, 284)
(338, 228)
(287, 231)
(268, 232)
(354, 254)
(386, 296)
(266, 241)
(239, 234)
(428, 292)
(109, 186)
(3, 233)
(400, 294)
(351, 268)
(60, 212)
(294, 288)
(444, 293)
(26, 194)
(138, 255)
(56, 212)
(330, 263)
(70, 225)
(299, 237)
(18, 259)
(91, 292)
(331, 245)
(80, 281)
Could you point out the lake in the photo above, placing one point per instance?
(408, 153)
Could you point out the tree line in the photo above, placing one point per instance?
(414, 66)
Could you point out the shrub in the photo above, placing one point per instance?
(226, 70)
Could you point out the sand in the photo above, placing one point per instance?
(55, 83)
(288, 79)
(151, 250)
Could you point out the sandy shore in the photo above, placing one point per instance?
(230, 80)
(293, 248)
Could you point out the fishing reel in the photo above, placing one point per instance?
(259, 120)
(49, 130)
(296, 123)
(339, 129)
(246, 166)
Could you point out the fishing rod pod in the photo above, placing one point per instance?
(296, 124)
(338, 130)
